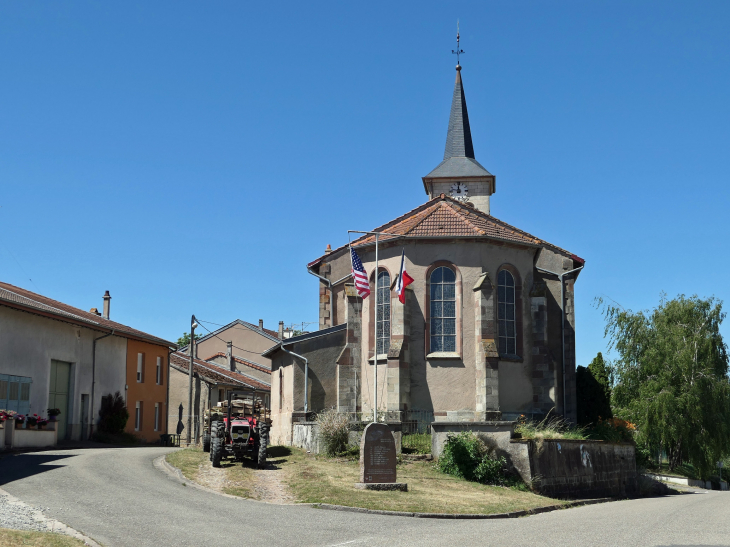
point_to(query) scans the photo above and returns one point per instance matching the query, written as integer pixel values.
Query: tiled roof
(445, 217)
(15, 297)
(246, 362)
(214, 373)
(308, 336)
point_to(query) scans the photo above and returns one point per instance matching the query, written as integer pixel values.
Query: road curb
(52, 525)
(512, 515)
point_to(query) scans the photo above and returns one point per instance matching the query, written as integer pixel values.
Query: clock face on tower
(459, 191)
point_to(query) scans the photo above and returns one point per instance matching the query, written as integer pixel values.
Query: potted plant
(31, 421)
(19, 420)
(41, 423)
(52, 413)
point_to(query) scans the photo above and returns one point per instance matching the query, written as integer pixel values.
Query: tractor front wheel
(206, 442)
(263, 445)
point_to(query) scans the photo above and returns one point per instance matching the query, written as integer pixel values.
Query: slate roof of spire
(446, 217)
(459, 152)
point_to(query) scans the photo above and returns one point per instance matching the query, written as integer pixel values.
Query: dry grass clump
(549, 428)
(334, 428)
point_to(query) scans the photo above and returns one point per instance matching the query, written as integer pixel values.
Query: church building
(487, 330)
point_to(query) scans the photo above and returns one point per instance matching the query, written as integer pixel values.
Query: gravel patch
(17, 515)
(20, 516)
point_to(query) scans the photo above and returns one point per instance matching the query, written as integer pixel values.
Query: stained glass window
(382, 321)
(506, 313)
(443, 310)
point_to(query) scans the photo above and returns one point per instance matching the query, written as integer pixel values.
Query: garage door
(58, 394)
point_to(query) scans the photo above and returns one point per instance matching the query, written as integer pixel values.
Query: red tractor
(238, 435)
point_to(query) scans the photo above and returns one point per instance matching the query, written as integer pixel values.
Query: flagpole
(375, 315)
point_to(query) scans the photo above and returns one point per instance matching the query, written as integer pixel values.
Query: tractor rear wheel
(263, 445)
(216, 451)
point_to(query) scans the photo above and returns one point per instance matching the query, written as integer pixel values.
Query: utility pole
(193, 324)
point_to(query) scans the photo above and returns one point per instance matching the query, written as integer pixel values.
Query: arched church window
(382, 321)
(443, 310)
(506, 313)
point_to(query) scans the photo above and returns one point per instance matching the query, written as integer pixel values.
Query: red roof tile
(445, 217)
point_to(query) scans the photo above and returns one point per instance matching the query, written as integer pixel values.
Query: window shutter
(140, 367)
(159, 371)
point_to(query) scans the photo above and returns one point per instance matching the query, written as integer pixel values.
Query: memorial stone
(378, 459)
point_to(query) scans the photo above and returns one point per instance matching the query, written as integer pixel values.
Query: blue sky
(192, 158)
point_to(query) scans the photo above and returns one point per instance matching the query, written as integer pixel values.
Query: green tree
(184, 340)
(594, 392)
(671, 378)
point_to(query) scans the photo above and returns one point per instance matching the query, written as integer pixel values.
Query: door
(84, 416)
(58, 394)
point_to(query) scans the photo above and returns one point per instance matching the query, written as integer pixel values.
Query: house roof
(266, 333)
(214, 373)
(446, 217)
(241, 360)
(294, 339)
(21, 299)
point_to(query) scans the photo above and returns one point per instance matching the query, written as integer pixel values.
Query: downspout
(562, 314)
(167, 394)
(306, 375)
(93, 376)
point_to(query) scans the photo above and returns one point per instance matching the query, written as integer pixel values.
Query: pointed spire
(458, 136)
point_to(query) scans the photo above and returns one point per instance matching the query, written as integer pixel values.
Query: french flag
(403, 279)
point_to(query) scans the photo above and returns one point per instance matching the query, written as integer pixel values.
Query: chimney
(281, 330)
(229, 356)
(261, 324)
(107, 301)
(328, 250)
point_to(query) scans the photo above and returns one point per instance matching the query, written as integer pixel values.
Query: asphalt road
(117, 497)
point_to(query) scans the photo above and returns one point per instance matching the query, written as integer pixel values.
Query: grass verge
(316, 479)
(236, 478)
(18, 538)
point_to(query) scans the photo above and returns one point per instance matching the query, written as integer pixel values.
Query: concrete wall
(496, 434)
(306, 435)
(563, 468)
(242, 337)
(29, 342)
(28, 438)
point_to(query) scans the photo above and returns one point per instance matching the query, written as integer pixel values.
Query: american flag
(359, 275)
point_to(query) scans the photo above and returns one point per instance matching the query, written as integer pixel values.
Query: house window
(15, 393)
(443, 310)
(138, 416)
(159, 371)
(157, 416)
(506, 313)
(140, 368)
(382, 321)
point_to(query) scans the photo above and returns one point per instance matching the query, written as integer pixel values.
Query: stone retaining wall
(305, 435)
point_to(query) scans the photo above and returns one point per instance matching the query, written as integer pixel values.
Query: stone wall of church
(449, 386)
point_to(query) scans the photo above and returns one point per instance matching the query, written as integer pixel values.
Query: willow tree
(671, 378)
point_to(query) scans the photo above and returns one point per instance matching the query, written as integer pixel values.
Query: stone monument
(378, 459)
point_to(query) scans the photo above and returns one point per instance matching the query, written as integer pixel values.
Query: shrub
(334, 428)
(465, 455)
(614, 430)
(113, 414)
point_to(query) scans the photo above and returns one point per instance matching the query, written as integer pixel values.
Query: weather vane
(458, 51)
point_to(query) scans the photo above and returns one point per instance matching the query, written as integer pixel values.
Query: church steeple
(460, 175)
(458, 136)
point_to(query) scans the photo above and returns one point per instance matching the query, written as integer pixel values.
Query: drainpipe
(562, 313)
(306, 376)
(93, 377)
